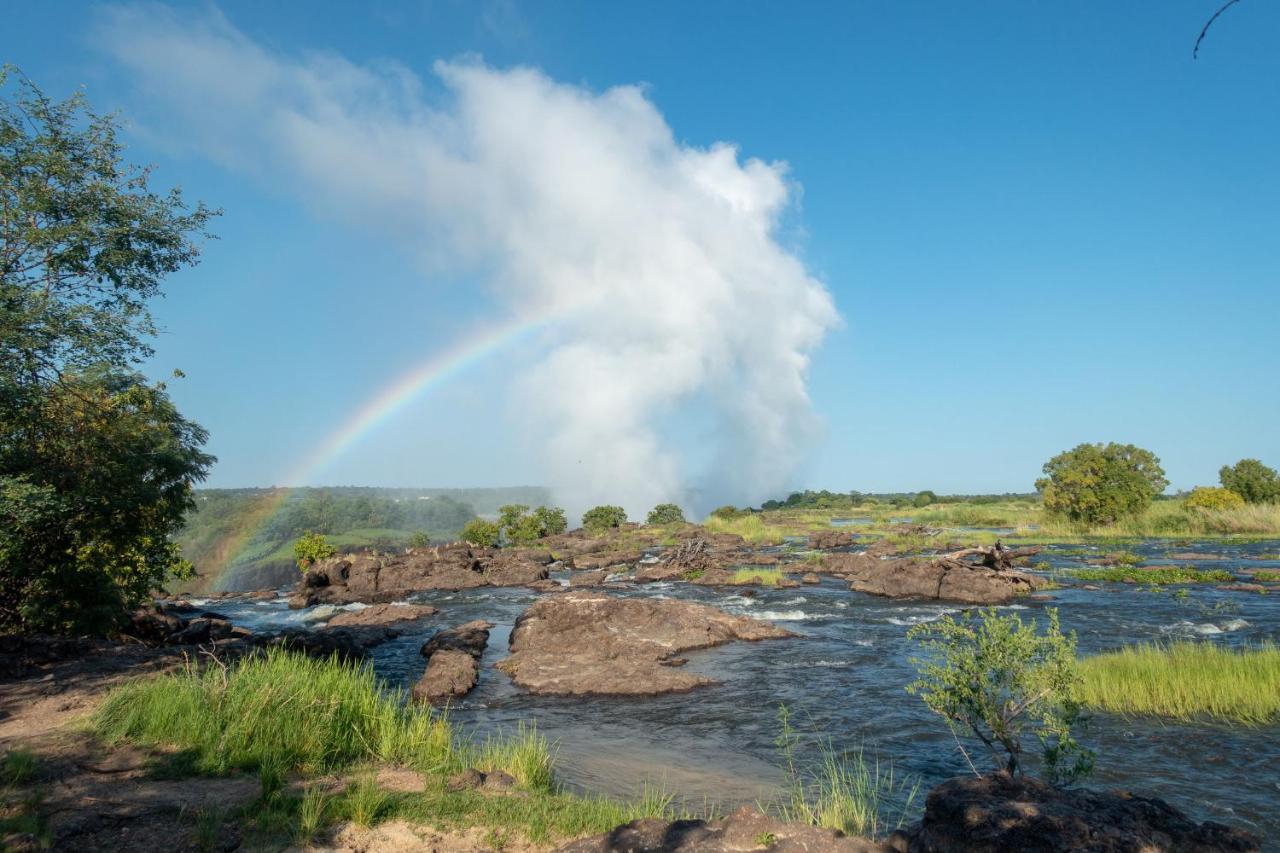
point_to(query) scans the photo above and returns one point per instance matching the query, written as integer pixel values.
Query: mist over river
(843, 677)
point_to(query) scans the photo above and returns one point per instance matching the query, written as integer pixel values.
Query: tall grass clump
(767, 577)
(279, 711)
(526, 755)
(750, 527)
(844, 792)
(1186, 680)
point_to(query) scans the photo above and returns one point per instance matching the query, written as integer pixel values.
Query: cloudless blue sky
(1043, 224)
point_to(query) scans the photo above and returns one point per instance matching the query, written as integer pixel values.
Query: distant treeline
(825, 499)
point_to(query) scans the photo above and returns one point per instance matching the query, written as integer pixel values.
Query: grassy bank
(1159, 575)
(1186, 680)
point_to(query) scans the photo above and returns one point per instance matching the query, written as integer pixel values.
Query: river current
(843, 678)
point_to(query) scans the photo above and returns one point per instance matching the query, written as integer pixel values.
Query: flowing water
(843, 678)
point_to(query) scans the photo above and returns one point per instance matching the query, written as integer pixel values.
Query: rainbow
(376, 411)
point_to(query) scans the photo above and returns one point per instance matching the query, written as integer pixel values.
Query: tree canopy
(1101, 483)
(96, 463)
(1251, 480)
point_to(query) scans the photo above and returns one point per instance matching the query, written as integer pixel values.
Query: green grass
(1266, 575)
(750, 527)
(767, 577)
(279, 712)
(1185, 681)
(1164, 575)
(18, 767)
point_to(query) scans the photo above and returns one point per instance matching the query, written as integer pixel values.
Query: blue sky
(1041, 224)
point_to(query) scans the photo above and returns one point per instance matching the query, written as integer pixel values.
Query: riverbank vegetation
(1185, 681)
(1158, 575)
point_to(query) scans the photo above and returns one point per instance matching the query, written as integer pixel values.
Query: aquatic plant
(1159, 575)
(845, 792)
(1186, 680)
(994, 676)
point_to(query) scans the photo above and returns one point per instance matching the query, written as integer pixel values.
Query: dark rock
(499, 781)
(941, 579)
(997, 813)
(590, 642)
(833, 538)
(467, 780)
(744, 830)
(453, 663)
(347, 643)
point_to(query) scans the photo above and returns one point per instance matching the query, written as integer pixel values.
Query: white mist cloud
(664, 256)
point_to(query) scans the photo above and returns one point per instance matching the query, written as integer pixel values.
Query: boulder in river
(833, 538)
(941, 579)
(590, 642)
(997, 813)
(453, 662)
(381, 614)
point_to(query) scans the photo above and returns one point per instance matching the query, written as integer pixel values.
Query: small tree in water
(310, 548)
(997, 677)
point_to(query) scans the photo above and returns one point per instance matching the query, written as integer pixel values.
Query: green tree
(601, 518)
(1101, 483)
(925, 498)
(509, 516)
(419, 539)
(477, 531)
(998, 677)
(1209, 497)
(665, 514)
(96, 464)
(728, 511)
(1251, 480)
(552, 520)
(310, 548)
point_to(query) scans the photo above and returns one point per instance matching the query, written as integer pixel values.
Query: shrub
(1209, 497)
(419, 540)
(925, 498)
(729, 511)
(665, 514)
(310, 548)
(521, 527)
(552, 519)
(477, 531)
(1100, 484)
(601, 518)
(1252, 481)
(995, 677)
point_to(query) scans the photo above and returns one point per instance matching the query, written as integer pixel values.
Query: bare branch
(1195, 51)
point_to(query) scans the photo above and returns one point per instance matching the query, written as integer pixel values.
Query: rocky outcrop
(594, 578)
(997, 813)
(373, 578)
(453, 662)
(833, 538)
(348, 644)
(940, 579)
(381, 614)
(590, 642)
(176, 623)
(604, 559)
(744, 831)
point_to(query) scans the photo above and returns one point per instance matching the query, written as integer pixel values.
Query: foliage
(729, 511)
(96, 464)
(1251, 480)
(996, 677)
(846, 793)
(1209, 497)
(665, 514)
(925, 498)
(1155, 575)
(481, 532)
(310, 548)
(521, 527)
(764, 577)
(601, 518)
(419, 539)
(750, 527)
(1099, 484)
(1185, 681)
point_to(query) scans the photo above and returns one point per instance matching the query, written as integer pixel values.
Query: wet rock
(744, 830)
(997, 813)
(810, 578)
(381, 614)
(453, 662)
(590, 642)
(547, 586)
(788, 583)
(346, 643)
(941, 579)
(833, 538)
(594, 578)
